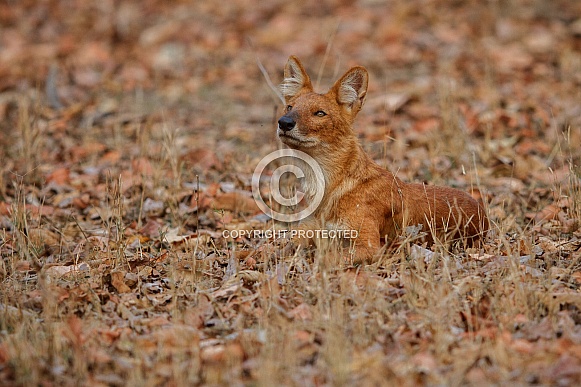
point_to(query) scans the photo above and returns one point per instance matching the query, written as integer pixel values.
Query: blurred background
(455, 85)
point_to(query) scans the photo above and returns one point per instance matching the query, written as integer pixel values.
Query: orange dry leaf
(59, 176)
(235, 201)
(142, 166)
(522, 346)
(151, 229)
(22, 266)
(79, 152)
(270, 288)
(426, 125)
(250, 262)
(476, 193)
(109, 336)
(231, 352)
(568, 225)
(74, 331)
(111, 157)
(42, 237)
(36, 211)
(117, 278)
(5, 208)
(212, 189)
(304, 337)
(4, 356)
(548, 213)
(158, 321)
(82, 202)
(203, 158)
(198, 315)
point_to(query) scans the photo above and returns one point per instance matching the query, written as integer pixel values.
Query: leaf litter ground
(129, 132)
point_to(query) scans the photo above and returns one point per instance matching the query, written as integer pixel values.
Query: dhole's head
(314, 120)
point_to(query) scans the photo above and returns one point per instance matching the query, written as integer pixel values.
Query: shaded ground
(129, 132)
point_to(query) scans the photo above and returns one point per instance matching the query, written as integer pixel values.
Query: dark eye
(320, 113)
(288, 108)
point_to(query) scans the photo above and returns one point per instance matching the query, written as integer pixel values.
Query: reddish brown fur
(359, 194)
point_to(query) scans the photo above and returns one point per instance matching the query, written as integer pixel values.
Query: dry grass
(506, 313)
(113, 267)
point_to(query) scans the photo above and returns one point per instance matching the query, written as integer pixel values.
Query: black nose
(286, 123)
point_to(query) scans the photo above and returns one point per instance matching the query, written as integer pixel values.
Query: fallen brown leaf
(118, 281)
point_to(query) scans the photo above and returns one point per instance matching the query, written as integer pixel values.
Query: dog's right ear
(295, 79)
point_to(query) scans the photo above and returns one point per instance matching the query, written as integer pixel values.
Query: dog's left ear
(295, 79)
(351, 89)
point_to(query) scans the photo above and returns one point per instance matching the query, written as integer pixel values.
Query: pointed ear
(351, 89)
(295, 79)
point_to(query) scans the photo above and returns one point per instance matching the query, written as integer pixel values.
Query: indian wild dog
(359, 194)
